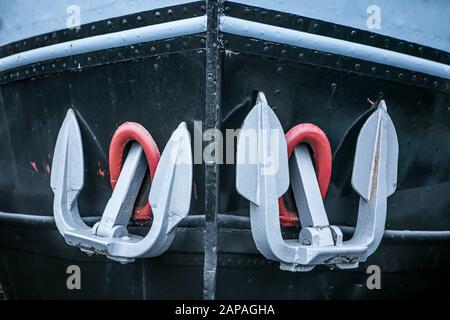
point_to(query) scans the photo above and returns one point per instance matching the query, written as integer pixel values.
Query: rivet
(278, 17)
(185, 10)
(279, 69)
(156, 67)
(357, 66)
(157, 14)
(414, 77)
(93, 28)
(266, 49)
(246, 11)
(353, 33)
(263, 14)
(400, 75)
(139, 18)
(374, 69)
(124, 21)
(301, 55)
(169, 12)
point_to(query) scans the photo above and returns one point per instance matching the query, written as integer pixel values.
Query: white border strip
(316, 42)
(111, 40)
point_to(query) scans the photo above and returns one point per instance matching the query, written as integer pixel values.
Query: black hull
(161, 83)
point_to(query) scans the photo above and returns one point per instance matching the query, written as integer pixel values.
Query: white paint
(316, 42)
(112, 40)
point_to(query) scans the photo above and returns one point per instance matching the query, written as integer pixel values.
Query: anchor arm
(262, 177)
(170, 197)
(67, 176)
(374, 179)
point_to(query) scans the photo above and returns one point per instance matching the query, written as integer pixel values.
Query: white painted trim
(316, 42)
(111, 40)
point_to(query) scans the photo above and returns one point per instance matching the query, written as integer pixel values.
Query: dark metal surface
(333, 100)
(155, 91)
(242, 272)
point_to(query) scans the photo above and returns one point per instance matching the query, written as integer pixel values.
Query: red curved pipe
(318, 141)
(127, 132)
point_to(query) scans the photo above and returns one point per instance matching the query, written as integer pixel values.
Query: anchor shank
(119, 208)
(306, 189)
